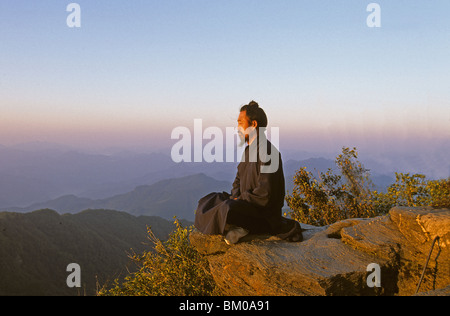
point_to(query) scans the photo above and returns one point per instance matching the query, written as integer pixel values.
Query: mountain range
(37, 247)
(37, 172)
(166, 198)
(170, 192)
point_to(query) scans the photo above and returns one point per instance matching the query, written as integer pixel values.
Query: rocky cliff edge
(334, 259)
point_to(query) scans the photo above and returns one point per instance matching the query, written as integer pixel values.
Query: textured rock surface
(440, 292)
(333, 260)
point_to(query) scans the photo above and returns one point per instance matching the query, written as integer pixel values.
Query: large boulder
(333, 260)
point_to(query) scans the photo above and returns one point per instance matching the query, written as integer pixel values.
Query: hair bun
(253, 103)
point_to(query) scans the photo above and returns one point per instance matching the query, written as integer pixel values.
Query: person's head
(251, 117)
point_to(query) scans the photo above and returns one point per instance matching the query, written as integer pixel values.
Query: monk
(257, 196)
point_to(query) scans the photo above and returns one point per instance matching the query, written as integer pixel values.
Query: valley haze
(39, 175)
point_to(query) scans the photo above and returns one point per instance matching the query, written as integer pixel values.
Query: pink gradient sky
(133, 72)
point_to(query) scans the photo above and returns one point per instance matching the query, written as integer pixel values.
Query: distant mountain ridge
(166, 198)
(177, 196)
(39, 171)
(36, 172)
(29, 175)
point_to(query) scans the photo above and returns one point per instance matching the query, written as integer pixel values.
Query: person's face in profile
(245, 126)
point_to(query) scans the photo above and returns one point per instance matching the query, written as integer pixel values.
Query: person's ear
(254, 124)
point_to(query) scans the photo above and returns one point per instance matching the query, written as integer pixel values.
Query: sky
(135, 70)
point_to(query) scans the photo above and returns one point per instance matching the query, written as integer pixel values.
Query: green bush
(174, 268)
(333, 197)
(414, 190)
(439, 191)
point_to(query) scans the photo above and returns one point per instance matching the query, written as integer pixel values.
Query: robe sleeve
(236, 190)
(261, 194)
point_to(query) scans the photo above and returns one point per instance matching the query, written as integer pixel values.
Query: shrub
(332, 197)
(439, 191)
(174, 268)
(414, 190)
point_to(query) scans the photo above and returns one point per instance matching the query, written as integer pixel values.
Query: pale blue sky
(137, 69)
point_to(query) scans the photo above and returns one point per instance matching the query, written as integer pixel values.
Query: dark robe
(260, 198)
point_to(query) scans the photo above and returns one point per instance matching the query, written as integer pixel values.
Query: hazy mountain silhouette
(34, 172)
(218, 171)
(177, 196)
(166, 198)
(29, 175)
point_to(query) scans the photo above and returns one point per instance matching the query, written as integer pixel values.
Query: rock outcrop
(333, 260)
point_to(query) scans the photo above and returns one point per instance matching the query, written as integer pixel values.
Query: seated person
(257, 197)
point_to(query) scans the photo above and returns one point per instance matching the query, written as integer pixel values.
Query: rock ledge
(333, 260)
